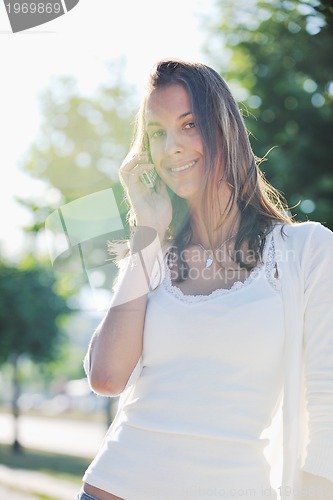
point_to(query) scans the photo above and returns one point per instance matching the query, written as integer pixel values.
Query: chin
(189, 196)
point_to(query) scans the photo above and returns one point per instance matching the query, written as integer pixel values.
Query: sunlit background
(69, 92)
(81, 44)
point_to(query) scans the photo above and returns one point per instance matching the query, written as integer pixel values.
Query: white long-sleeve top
(210, 378)
(305, 264)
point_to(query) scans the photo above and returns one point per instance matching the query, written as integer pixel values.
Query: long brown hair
(223, 133)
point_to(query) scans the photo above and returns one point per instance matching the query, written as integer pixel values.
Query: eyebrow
(180, 117)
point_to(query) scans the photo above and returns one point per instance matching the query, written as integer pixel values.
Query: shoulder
(303, 233)
(304, 252)
(303, 246)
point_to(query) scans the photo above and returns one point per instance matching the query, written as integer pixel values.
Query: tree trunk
(16, 446)
(109, 411)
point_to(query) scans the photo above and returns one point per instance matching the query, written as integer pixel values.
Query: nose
(173, 143)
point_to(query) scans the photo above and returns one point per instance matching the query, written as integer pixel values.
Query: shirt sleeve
(318, 353)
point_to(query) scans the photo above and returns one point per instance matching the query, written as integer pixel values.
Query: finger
(136, 171)
(141, 167)
(132, 160)
(133, 177)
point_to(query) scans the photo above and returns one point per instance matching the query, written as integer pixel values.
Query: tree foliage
(81, 142)
(31, 312)
(281, 67)
(30, 322)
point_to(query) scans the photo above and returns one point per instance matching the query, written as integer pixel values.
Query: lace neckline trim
(268, 267)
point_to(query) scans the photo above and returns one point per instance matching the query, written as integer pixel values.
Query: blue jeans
(82, 495)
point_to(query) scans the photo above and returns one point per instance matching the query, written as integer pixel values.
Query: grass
(66, 467)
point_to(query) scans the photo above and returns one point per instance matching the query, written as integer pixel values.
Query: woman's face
(176, 145)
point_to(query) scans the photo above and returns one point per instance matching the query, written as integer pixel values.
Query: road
(58, 435)
(55, 435)
(18, 484)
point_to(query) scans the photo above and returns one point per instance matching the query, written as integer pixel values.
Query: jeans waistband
(82, 495)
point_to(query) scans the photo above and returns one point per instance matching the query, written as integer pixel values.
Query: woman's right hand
(152, 207)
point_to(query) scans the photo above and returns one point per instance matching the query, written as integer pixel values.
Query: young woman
(222, 311)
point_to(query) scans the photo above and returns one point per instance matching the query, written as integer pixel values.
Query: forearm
(117, 343)
(116, 347)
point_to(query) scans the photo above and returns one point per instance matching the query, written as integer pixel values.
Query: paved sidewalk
(73, 437)
(18, 484)
(9, 494)
(77, 438)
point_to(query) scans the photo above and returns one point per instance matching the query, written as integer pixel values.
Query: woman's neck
(200, 231)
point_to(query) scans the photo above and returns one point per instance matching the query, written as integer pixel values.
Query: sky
(80, 44)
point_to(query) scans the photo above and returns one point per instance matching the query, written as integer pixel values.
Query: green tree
(281, 67)
(81, 143)
(31, 316)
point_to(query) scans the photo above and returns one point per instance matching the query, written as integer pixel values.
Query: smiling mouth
(183, 167)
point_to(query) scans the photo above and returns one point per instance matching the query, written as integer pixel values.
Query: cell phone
(149, 178)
